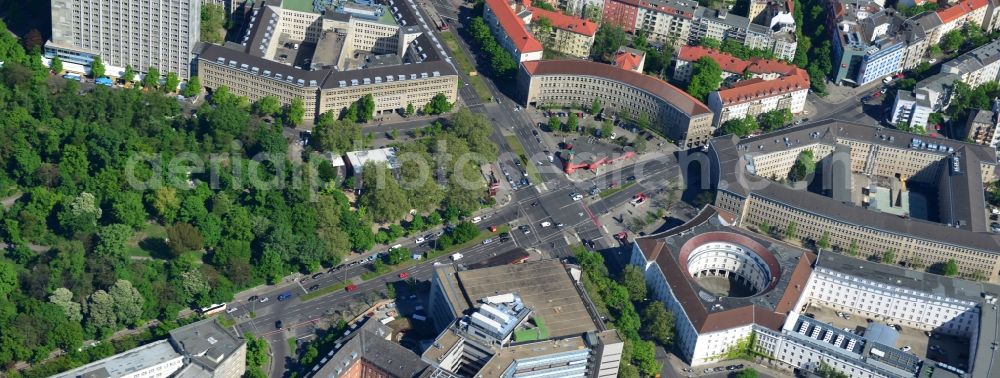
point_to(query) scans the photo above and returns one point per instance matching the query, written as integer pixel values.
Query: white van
(457, 256)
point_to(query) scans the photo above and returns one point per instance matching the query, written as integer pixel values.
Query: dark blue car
(285, 296)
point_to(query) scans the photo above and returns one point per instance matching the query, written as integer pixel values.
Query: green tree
(775, 119)
(803, 167)
(889, 257)
(439, 104)
(267, 106)
(63, 298)
(952, 40)
(213, 21)
(635, 282)
(56, 65)
(382, 196)
(790, 230)
(80, 214)
(572, 123)
(171, 82)
(183, 237)
(607, 128)
(127, 208)
(951, 268)
(658, 323)
(853, 248)
(711, 43)
(554, 123)
(747, 373)
(366, 108)
(398, 255)
(101, 312)
(409, 109)
(193, 87)
(607, 41)
(740, 127)
(706, 77)
(295, 112)
(111, 241)
(8, 278)
(129, 75)
(151, 80)
(97, 67)
(128, 303)
(595, 106)
(765, 227)
(824, 241)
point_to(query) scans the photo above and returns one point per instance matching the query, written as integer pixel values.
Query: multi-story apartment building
(976, 67)
(757, 96)
(679, 22)
(401, 68)
(912, 108)
(629, 94)
(137, 33)
(745, 172)
(959, 14)
(569, 35)
(773, 287)
(732, 67)
(577, 7)
(510, 30)
(981, 127)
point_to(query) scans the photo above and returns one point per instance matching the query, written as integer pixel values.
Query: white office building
(140, 33)
(912, 108)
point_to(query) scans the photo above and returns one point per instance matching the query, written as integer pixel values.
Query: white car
(905, 348)
(577, 197)
(420, 240)
(477, 219)
(457, 256)
(263, 299)
(546, 224)
(231, 310)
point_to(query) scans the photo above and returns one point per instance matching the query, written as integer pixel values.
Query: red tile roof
(627, 60)
(565, 22)
(669, 93)
(733, 64)
(959, 10)
(514, 27)
(754, 89)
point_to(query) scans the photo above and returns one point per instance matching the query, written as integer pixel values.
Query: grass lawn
(298, 5)
(465, 65)
(148, 242)
(528, 164)
(323, 291)
(608, 192)
(291, 346)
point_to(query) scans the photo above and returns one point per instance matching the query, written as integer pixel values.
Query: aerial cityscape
(500, 188)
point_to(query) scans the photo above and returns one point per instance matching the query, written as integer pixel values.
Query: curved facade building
(671, 111)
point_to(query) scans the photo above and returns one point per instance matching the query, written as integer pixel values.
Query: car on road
(630, 178)
(559, 225)
(313, 287)
(351, 287)
(546, 224)
(253, 298)
(264, 299)
(477, 219)
(285, 296)
(905, 348)
(487, 241)
(317, 275)
(279, 325)
(404, 275)
(533, 204)
(420, 240)
(231, 310)
(456, 256)
(525, 229)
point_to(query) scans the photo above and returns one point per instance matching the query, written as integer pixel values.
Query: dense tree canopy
(706, 77)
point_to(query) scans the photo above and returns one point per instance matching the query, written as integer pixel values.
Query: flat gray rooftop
(126, 363)
(544, 286)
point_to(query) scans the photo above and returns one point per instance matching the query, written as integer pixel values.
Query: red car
(352, 287)
(493, 228)
(404, 275)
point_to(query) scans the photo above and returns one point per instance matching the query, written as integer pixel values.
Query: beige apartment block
(630, 94)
